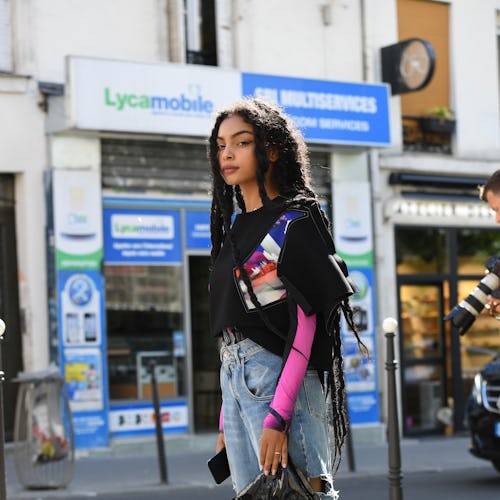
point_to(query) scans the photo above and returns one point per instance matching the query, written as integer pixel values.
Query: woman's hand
(221, 442)
(273, 450)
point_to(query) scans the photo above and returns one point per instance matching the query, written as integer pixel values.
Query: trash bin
(43, 431)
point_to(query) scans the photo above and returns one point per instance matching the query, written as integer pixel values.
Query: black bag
(288, 484)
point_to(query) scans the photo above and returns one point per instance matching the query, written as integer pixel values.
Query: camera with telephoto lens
(465, 313)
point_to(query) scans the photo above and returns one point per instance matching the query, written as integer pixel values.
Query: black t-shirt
(289, 255)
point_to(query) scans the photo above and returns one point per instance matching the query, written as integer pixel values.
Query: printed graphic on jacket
(262, 265)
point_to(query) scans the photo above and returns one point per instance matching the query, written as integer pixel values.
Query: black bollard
(162, 461)
(395, 476)
(3, 486)
(350, 449)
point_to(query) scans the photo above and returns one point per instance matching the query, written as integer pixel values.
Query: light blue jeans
(249, 374)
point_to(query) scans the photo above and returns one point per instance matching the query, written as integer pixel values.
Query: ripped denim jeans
(248, 376)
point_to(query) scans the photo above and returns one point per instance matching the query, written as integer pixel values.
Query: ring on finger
(277, 453)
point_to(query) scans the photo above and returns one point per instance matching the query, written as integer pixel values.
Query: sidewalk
(133, 465)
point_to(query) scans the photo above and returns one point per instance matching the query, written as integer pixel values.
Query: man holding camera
(487, 292)
(490, 193)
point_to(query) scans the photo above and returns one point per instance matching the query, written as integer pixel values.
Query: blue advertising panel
(82, 354)
(328, 111)
(361, 371)
(137, 418)
(197, 230)
(142, 236)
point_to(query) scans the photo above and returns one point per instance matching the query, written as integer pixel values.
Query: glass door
(423, 356)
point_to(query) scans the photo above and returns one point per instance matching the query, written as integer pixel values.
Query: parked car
(483, 413)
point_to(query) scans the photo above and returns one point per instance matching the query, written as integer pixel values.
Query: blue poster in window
(360, 370)
(328, 111)
(142, 236)
(82, 354)
(198, 229)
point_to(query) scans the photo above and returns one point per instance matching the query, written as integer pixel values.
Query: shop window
(421, 250)
(144, 314)
(201, 45)
(474, 248)
(435, 266)
(480, 344)
(420, 312)
(482, 341)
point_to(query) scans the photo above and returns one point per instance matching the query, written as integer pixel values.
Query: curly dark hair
(274, 129)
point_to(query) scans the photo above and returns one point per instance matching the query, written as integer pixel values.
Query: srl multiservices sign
(182, 100)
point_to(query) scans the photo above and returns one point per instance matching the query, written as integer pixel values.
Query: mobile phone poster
(354, 243)
(78, 242)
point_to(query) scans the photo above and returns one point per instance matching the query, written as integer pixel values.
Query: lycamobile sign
(144, 236)
(142, 226)
(180, 104)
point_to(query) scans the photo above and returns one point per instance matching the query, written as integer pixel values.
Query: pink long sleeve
(292, 375)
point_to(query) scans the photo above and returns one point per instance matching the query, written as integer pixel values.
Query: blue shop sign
(197, 230)
(142, 236)
(328, 111)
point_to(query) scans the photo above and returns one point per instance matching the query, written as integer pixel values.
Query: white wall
(48, 30)
(474, 77)
(295, 38)
(381, 30)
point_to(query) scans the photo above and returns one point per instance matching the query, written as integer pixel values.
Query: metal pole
(162, 461)
(3, 487)
(350, 449)
(395, 477)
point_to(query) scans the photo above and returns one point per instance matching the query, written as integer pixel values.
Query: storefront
(441, 244)
(131, 235)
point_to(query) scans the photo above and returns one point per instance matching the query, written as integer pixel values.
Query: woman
(276, 291)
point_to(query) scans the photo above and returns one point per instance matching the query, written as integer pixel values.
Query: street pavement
(464, 484)
(132, 466)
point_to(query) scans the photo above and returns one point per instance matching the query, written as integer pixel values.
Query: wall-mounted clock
(408, 65)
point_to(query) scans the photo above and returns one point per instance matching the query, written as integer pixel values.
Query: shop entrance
(436, 269)
(205, 362)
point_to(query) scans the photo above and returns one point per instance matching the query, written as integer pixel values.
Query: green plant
(441, 112)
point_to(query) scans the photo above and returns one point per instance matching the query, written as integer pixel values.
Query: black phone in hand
(219, 466)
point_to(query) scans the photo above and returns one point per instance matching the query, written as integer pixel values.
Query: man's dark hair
(492, 184)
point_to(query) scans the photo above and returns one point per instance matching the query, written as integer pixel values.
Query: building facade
(105, 191)
(433, 233)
